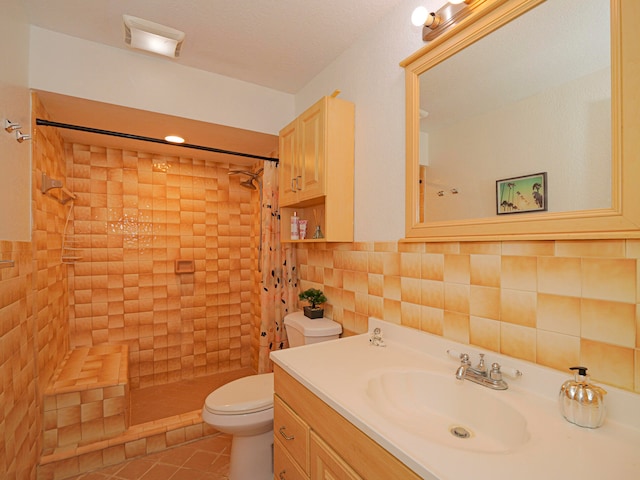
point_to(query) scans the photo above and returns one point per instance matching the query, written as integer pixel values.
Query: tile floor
(179, 397)
(206, 459)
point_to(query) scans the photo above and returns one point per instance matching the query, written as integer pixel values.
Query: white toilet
(302, 330)
(244, 407)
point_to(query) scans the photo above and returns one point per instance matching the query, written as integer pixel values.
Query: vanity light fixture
(174, 139)
(152, 37)
(436, 23)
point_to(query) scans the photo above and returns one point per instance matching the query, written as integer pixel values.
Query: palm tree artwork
(522, 194)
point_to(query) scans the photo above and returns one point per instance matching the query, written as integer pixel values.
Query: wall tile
(432, 266)
(527, 248)
(609, 279)
(139, 220)
(456, 297)
(457, 269)
(590, 248)
(559, 276)
(518, 341)
(519, 273)
(456, 326)
(559, 314)
(518, 307)
(534, 308)
(485, 270)
(484, 333)
(557, 350)
(609, 322)
(432, 320)
(485, 302)
(610, 363)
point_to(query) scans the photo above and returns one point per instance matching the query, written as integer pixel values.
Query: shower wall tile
(33, 308)
(136, 215)
(554, 303)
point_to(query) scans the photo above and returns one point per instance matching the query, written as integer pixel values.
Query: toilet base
(252, 457)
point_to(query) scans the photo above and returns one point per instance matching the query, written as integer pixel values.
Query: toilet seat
(245, 395)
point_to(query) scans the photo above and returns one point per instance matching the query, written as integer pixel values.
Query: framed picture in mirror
(527, 193)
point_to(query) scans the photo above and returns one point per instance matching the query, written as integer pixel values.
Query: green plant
(313, 296)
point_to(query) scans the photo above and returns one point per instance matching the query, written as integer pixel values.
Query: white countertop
(338, 372)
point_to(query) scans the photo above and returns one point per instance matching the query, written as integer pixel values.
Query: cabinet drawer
(326, 464)
(292, 432)
(284, 467)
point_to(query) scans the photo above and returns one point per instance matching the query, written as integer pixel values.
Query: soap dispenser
(580, 402)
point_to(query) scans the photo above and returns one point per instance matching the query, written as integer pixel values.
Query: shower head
(248, 183)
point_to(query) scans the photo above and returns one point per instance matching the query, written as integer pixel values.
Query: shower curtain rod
(48, 123)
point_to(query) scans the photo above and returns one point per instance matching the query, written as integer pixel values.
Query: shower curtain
(279, 285)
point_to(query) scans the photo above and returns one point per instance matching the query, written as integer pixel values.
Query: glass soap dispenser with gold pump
(581, 402)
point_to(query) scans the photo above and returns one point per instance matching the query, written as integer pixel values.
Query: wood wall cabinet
(313, 442)
(316, 170)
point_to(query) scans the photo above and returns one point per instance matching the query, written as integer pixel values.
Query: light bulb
(456, 2)
(174, 139)
(419, 16)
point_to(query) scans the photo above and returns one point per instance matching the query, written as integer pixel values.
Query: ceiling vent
(152, 37)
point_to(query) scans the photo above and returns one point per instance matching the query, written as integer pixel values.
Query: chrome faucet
(479, 374)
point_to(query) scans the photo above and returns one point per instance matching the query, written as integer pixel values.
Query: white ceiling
(279, 44)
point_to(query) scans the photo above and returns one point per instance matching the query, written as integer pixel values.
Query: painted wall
(15, 220)
(67, 65)
(369, 75)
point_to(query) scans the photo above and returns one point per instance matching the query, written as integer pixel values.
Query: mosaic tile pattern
(136, 214)
(555, 303)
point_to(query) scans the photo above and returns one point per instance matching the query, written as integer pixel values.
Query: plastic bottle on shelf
(295, 227)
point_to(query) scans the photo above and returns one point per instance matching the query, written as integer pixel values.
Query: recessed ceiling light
(152, 37)
(174, 139)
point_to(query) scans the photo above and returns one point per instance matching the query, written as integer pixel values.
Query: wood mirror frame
(622, 220)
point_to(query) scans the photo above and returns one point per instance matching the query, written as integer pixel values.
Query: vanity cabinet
(316, 170)
(314, 442)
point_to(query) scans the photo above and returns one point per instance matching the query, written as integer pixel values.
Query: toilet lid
(244, 395)
(312, 327)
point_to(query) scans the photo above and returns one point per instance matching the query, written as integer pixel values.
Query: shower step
(137, 441)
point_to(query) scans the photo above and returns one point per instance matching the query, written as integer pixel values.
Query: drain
(460, 432)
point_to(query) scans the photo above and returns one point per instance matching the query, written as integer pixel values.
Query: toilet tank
(305, 331)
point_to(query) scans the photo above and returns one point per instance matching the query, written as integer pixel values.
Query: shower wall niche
(136, 213)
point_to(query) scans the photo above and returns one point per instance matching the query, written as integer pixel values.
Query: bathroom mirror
(521, 90)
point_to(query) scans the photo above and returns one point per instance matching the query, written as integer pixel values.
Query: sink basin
(441, 409)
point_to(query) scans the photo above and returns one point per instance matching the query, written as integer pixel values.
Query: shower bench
(88, 397)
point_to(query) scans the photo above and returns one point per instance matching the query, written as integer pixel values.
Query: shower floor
(161, 401)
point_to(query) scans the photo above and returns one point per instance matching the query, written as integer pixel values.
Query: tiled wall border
(556, 303)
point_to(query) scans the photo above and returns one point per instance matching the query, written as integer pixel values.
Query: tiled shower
(105, 275)
(135, 215)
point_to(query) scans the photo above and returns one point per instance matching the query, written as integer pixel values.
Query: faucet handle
(481, 367)
(464, 359)
(495, 373)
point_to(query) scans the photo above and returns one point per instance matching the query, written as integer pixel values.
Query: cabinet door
(284, 467)
(326, 464)
(312, 155)
(288, 165)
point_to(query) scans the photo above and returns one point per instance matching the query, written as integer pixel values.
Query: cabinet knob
(284, 435)
(281, 475)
